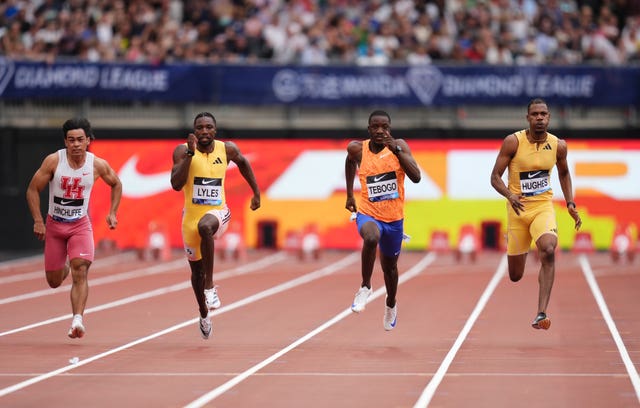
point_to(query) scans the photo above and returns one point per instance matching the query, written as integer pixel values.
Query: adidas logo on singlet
(547, 147)
(217, 161)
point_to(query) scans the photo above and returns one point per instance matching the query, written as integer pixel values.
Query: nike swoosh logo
(378, 178)
(81, 254)
(205, 182)
(138, 185)
(65, 202)
(384, 155)
(530, 175)
(85, 174)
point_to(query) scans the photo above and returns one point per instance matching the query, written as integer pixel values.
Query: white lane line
(240, 270)
(39, 274)
(152, 270)
(430, 389)
(327, 270)
(604, 309)
(12, 263)
(325, 374)
(213, 394)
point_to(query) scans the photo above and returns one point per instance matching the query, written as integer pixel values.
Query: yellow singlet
(531, 166)
(204, 189)
(530, 177)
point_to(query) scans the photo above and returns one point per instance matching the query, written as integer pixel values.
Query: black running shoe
(541, 322)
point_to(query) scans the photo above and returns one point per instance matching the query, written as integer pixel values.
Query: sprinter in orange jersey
(383, 162)
(530, 154)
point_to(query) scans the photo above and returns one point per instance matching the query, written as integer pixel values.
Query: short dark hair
(536, 101)
(379, 113)
(204, 114)
(78, 123)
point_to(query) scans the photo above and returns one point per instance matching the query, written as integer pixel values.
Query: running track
(285, 336)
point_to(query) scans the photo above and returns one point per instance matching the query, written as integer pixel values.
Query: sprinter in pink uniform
(67, 233)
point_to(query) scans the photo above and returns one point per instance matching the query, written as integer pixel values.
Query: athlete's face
(538, 117)
(76, 142)
(379, 127)
(205, 130)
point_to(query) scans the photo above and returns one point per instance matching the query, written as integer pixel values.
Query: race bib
(382, 187)
(67, 209)
(534, 182)
(207, 191)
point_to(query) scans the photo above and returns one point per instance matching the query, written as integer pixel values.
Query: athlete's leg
(544, 232)
(55, 256)
(516, 266)
(57, 276)
(80, 284)
(390, 247)
(207, 227)
(370, 236)
(81, 254)
(546, 245)
(518, 244)
(197, 283)
(390, 271)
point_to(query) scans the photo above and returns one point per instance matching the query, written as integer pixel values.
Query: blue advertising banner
(107, 82)
(427, 85)
(433, 85)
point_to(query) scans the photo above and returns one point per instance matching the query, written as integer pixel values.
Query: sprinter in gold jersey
(531, 154)
(199, 169)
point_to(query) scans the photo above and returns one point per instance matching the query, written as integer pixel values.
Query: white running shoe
(360, 301)
(205, 326)
(211, 296)
(77, 328)
(390, 317)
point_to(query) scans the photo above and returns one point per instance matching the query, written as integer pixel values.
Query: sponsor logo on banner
(6, 73)
(71, 76)
(137, 185)
(425, 82)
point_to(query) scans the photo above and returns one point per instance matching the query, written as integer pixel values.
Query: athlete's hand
(389, 141)
(112, 221)
(39, 230)
(255, 202)
(351, 204)
(576, 217)
(192, 142)
(515, 203)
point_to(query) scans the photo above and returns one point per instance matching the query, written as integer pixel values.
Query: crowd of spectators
(321, 32)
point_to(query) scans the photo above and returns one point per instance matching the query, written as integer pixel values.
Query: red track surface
(285, 337)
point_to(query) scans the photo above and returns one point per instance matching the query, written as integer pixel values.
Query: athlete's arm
(182, 162)
(407, 162)
(354, 157)
(234, 155)
(38, 182)
(506, 153)
(565, 181)
(103, 170)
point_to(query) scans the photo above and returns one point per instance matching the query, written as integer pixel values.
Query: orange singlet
(382, 185)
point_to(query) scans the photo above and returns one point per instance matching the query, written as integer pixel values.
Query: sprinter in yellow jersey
(199, 169)
(530, 155)
(383, 163)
